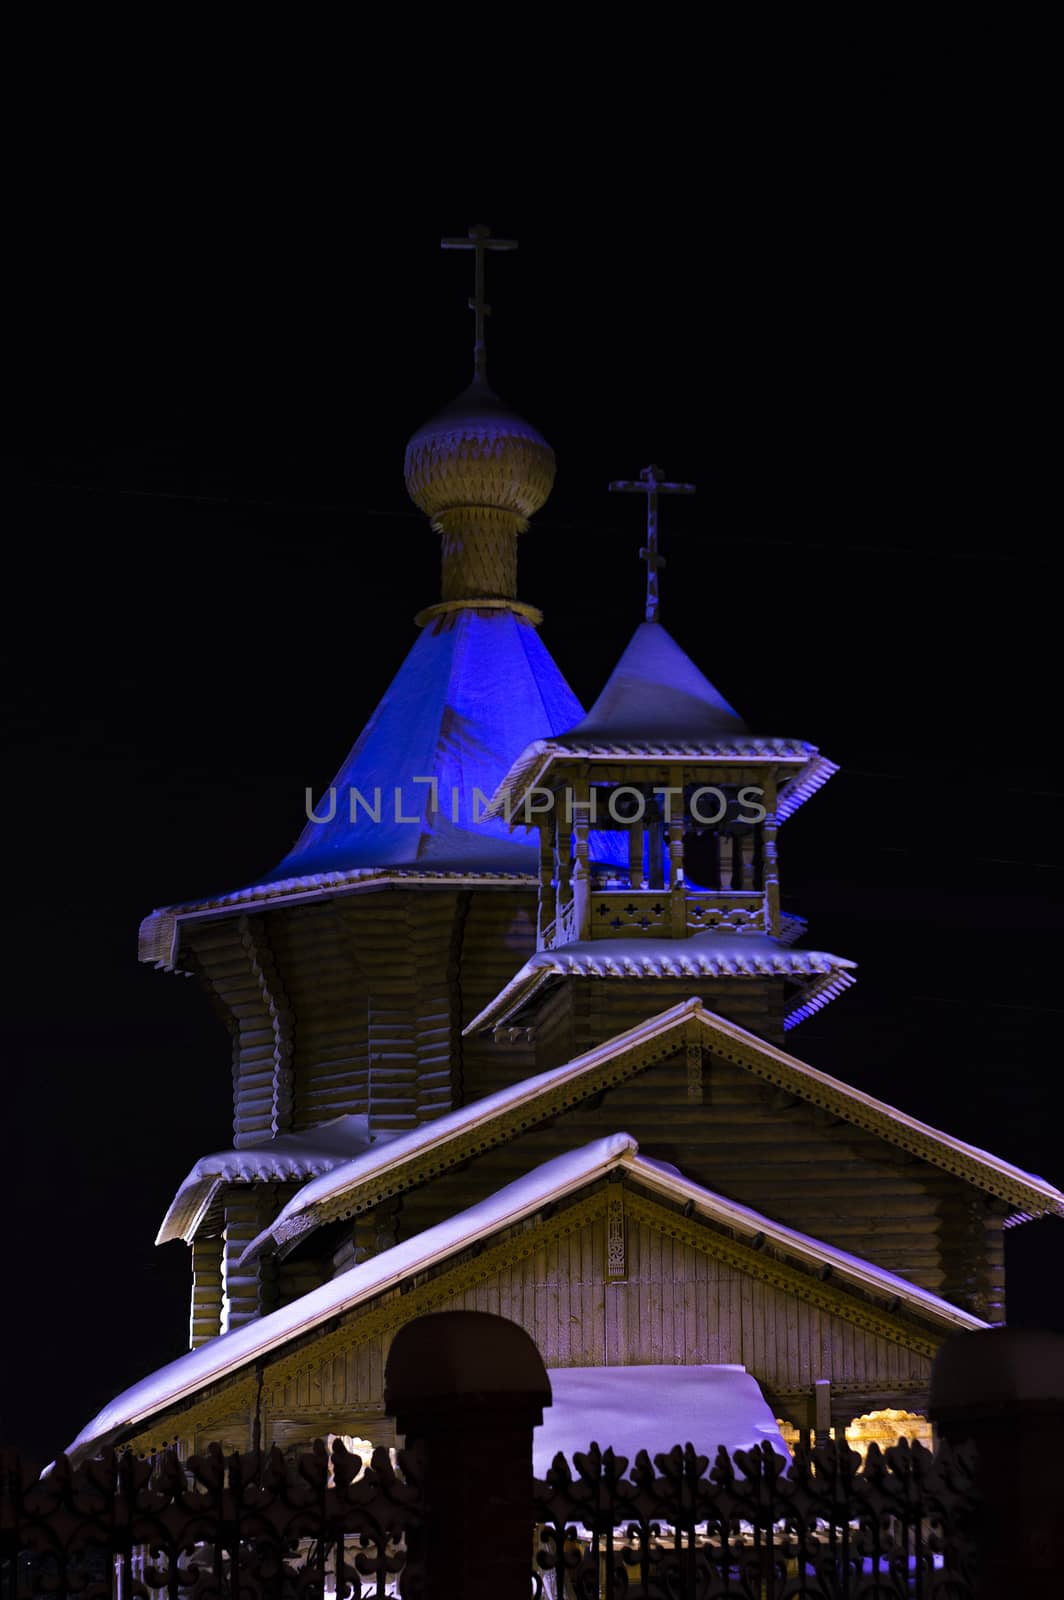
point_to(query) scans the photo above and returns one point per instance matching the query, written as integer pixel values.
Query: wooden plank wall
(436, 924)
(676, 1305)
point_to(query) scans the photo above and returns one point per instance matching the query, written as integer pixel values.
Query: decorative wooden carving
(616, 1260)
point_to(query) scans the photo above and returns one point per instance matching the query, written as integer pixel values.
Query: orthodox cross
(479, 241)
(652, 483)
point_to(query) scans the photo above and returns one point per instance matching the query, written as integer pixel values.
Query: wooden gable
(797, 1163)
(612, 1276)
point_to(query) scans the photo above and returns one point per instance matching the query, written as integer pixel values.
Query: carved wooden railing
(731, 911)
(620, 913)
(824, 1526)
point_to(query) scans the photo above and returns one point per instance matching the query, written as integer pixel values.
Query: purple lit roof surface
(656, 691)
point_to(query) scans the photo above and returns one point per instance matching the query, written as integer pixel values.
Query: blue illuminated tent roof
(474, 690)
(477, 687)
(656, 692)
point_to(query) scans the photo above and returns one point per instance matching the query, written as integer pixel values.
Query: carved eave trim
(159, 940)
(813, 988)
(836, 1298)
(221, 1402)
(785, 1072)
(535, 763)
(813, 997)
(351, 1329)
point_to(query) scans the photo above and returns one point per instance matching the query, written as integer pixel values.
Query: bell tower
(658, 817)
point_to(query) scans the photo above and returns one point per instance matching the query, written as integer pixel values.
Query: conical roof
(474, 690)
(656, 692)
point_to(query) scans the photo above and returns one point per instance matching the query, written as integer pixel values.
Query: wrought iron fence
(258, 1526)
(262, 1526)
(825, 1525)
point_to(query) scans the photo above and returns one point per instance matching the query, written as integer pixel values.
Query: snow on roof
(657, 704)
(652, 1408)
(288, 1156)
(220, 1357)
(531, 766)
(337, 1193)
(669, 1180)
(709, 954)
(552, 1180)
(656, 692)
(158, 936)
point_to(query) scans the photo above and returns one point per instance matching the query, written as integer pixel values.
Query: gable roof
(552, 1181)
(714, 954)
(415, 1157)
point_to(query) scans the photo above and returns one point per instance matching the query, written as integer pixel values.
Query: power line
(599, 529)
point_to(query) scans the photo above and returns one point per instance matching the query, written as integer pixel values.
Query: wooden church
(511, 1031)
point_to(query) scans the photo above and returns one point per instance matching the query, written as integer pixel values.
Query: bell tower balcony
(660, 854)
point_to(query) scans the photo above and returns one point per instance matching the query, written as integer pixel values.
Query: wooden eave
(159, 937)
(534, 766)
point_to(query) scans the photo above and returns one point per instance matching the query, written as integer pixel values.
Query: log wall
(784, 1158)
(248, 1207)
(357, 1004)
(498, 938)
(581, 1013)
(205, 1320)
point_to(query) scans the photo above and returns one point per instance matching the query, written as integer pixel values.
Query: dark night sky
(821, 303)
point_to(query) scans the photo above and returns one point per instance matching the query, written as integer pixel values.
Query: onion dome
(478, 471)
(478, 453)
